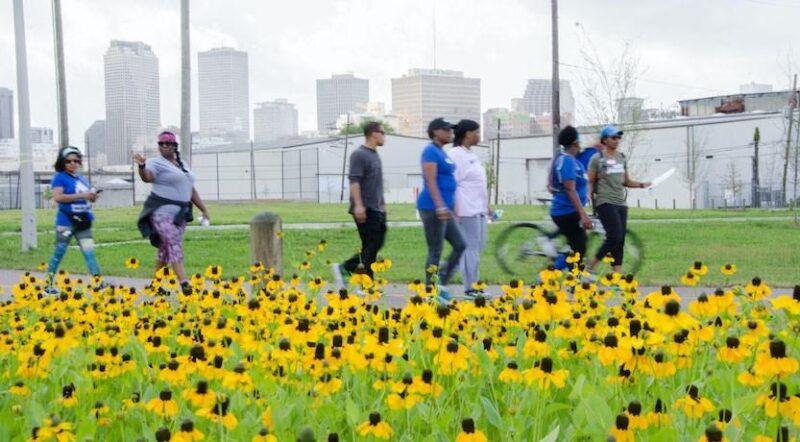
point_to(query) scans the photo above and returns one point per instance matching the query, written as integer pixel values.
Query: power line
(647, 80)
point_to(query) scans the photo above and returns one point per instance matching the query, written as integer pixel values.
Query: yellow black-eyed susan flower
(213, 272)
(775, 362)
(219, 413)
(132, 263)
(728, 269)
(42, 266)
(375, 427)
(543, 376)
(692, 404)
(187, 433)
(323, 244)
(264, 436)
(621, 431)
(469, 433)
(690, 279)
(713, 433)
(163, 405)
(698, 268)
(757, 289)
(732, 352)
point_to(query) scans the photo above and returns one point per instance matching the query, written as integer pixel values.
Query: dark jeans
(372, 233)
(569, 226)
(436, 231)
(615, 222)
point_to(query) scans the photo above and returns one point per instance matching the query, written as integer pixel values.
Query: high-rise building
(538, 99)
(629, 110)
(41, 135)
(425, 94)
(339, 95)
(6, 113)
(224, 85)
(95, 139)
(512, 124)
(273, 120)
(133, 106)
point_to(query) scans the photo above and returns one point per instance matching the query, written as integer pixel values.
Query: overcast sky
(689, 48)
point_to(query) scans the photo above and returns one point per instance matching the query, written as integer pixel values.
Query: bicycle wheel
(633, 251)
(518, 251)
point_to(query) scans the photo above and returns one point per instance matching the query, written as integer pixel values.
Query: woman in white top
(472, 200)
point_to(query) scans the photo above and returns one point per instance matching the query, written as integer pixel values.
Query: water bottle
(497, 214)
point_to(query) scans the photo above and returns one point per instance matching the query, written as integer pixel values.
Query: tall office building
(95, 139)
(224, 85)
(133, 106)
(425, 94)
(538, 99)
(42, 135)
(273, 120)
(6, 113)
(339, 95)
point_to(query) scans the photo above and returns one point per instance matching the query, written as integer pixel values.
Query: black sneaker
(186, 289)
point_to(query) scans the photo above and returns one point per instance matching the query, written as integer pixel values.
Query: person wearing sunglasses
(608, 183)
(168, 208)
(74, 196)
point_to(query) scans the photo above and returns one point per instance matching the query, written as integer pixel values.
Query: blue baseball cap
(610, 131)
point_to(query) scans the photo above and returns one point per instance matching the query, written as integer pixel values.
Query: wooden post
(266, 244)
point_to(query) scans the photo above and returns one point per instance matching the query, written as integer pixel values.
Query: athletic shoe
(186, 288)
(444, 296)
(473, 294)
(338, 276)
(52, 290)
(547, 247)
(591, 278)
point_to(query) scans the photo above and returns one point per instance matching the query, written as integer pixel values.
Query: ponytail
(178, 157)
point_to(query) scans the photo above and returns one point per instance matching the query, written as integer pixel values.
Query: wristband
(141, 166)
(441, 208)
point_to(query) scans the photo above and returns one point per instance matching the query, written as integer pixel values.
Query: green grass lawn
(303, 212)
(769, 249)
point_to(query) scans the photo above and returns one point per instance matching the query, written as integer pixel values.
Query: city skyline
(513, 46)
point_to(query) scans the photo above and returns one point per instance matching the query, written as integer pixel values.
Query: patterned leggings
(171, 248)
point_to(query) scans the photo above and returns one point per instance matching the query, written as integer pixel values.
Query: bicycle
(525, 248)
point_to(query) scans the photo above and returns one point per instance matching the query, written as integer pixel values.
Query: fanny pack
(79, 221)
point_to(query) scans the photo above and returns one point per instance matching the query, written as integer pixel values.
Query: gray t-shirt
(609, 186)
(366, 169)
(170, 182)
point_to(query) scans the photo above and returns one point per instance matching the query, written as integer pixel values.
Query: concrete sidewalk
(395, 295)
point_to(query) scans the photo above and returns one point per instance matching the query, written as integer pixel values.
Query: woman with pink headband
(169, 206)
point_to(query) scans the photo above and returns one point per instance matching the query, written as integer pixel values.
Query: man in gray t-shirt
(367, 204)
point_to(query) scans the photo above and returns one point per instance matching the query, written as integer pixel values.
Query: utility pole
(556, 81)
(344, 158)
(89, 159)
(497, 166)
(25, 151)
(61, 81)
(792, 104)
(186, 87)
(756, 198)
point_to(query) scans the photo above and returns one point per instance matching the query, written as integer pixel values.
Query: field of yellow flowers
(261, 357)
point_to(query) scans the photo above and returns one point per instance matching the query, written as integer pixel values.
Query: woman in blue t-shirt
(74, 217)
(436, 202)
(569, 180)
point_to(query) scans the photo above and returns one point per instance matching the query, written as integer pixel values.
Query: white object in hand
(204, 221)
(661, 178)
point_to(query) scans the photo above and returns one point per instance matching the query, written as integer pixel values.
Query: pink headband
(167, 137)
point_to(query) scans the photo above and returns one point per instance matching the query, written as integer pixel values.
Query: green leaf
(553, 436)
(491, 413)
(353, 415)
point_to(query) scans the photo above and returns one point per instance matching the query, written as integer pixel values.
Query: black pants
(569, 225)
(615, 222)
(372, 233)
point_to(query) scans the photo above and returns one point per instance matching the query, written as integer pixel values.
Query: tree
(693, 171)
(358, 129)
(732, 180)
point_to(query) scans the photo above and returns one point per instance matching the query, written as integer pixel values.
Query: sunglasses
(616, 137)
(380, 132)
(72, 161)
(163, 144)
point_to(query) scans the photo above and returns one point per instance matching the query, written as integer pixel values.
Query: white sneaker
(336, 269)
(547, 246)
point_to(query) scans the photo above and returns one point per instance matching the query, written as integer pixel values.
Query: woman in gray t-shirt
(169, 204)
(608, 180)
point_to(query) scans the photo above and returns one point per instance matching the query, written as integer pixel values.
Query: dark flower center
(622, 422)
(777, 349)
(732, 342)
(374, 418)
(635, 408)
(165, 395)
(468, 425)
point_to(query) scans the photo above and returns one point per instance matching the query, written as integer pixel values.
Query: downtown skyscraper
(133, 104)
(224, 86)
(339, 95)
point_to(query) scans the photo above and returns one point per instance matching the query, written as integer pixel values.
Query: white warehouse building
(718, 149)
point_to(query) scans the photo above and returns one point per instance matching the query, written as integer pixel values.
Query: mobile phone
(98, 191)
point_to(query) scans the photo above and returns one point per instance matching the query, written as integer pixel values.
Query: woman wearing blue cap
(568, 179)
(436, 202)
(608, 180)
(74, 217)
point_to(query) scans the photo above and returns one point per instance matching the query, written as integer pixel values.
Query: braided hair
(178, 157)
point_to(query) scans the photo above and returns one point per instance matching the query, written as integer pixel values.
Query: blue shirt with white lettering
(445, 178)
(567, 168)
(71, 184)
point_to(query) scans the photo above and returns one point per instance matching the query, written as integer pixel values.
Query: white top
(472, 195)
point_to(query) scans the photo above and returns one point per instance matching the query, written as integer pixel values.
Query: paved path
(395, 295)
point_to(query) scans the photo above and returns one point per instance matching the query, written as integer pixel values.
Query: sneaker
(547, 247)
(52, 290)
(591, 278)
(186, 288)
(338, 276)
(472, 294)
(444, 294)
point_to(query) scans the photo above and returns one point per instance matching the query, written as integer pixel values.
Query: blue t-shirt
(445, 178)
(586, 155)
(567, 168)
(71, 185)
